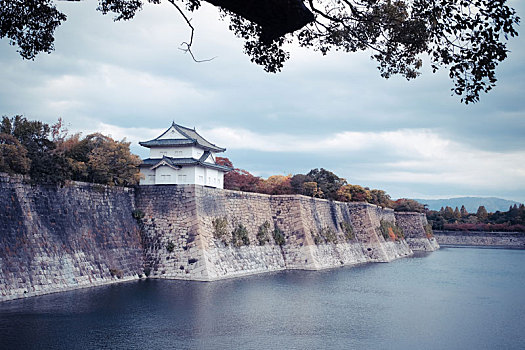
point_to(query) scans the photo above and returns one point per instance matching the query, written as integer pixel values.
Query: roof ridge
(190, 135)
(195, 131)
(179, 127)
(174, 162)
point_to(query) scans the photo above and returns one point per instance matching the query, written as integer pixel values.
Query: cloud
(133, 135)
(416, 156)
(404, 142)
(129, 79)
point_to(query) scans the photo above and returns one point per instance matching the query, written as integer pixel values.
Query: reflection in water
(450, 299)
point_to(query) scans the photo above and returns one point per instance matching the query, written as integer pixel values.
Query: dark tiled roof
(178, 162)
(167, 142)
(204, 156)
(192, 134)
(192, 138)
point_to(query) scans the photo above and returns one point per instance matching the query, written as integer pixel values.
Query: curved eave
(167, 142)
(216, 167)
(179, 143)
(180, 162)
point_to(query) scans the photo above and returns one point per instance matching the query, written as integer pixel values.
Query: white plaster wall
(211, 158)
(220, 179)
(186, 175)
(196, 152)
(174, 152)
(200, 176)
(149, 176)
(165, 175)
(212, 177)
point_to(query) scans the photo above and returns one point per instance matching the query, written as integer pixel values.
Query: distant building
(181, 156)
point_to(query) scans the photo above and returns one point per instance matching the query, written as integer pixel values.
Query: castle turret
(181, 156)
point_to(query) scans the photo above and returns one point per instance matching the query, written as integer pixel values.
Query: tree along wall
(60, 238)
(418, 233)
(188, 233)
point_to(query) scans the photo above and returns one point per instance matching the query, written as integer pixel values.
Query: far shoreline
(480, 239)
(481, 246)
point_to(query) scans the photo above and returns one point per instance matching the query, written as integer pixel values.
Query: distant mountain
(472, 204)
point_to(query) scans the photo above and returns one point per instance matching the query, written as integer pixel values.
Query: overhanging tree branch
(464, 36)
(190, 43)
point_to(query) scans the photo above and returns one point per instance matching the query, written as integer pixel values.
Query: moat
(450, 299)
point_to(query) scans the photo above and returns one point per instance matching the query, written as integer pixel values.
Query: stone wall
(476, 238)
(187, 232)
(60, 238)
(178, 232)
(415, 226)
(79, 235)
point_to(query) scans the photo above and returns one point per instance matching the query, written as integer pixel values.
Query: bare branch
(188, 45)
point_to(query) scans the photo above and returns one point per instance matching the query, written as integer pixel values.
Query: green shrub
(326, 235)
(240, 236)
(348, 230)
(116, 273)
(262, 233)
(390, 230)
(138, 215)
(219, 228)
(428, 231)
(383, 227)
(170, 246)
(278, 236)
(400, 234)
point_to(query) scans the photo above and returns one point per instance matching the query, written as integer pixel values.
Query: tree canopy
(49, 155)
(461, 220)
(317, 183)
(405, 204)
(467, 37)
(13, 156)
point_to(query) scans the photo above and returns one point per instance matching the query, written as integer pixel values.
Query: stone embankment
(60, 238)
(81, 235)
(418, 232)
(476, 238)
(188, 231)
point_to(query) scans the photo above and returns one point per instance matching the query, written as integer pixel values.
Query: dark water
(456, 298)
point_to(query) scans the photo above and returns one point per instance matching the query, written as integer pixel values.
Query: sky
(410, 138)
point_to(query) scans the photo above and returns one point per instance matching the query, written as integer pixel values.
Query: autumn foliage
(353, 193)
(276, 184)
(404, 204)
(317, 183)
(456, 219)
(13, 156)
(238, 179)
(50, 155)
